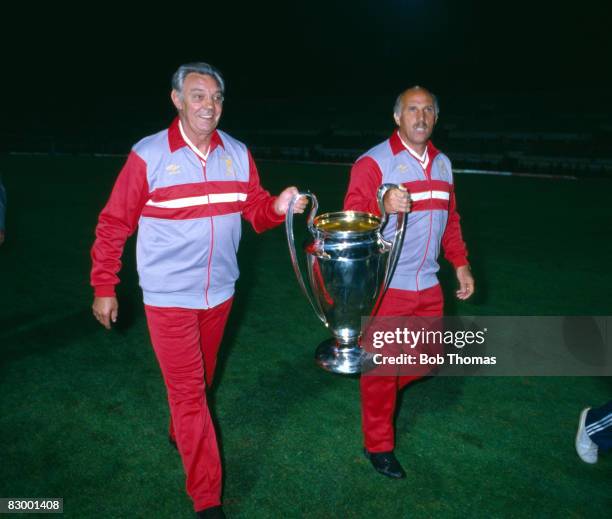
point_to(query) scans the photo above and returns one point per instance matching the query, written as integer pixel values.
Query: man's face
(199, 105)
(418, 118)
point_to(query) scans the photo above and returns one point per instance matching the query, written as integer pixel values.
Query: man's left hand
(281, 204)
(466, 282)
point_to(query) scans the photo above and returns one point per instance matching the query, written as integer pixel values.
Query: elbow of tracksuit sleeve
(259, 210)
(117, 221)
(364, 182)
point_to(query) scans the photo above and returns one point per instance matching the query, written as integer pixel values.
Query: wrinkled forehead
(196, 81)
(417, 96)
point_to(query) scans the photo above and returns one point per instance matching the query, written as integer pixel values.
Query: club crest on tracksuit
(229, 168)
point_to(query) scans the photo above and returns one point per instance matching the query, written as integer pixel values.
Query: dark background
(98, 79)
(522, 88)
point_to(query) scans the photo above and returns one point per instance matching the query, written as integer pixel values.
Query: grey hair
(397, 107)
(178, 78)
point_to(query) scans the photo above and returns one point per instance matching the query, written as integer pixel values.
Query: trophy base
(345, 361)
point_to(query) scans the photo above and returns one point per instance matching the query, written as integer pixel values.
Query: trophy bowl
(349, 265)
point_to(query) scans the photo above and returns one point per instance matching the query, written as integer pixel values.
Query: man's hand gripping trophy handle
(397, 200)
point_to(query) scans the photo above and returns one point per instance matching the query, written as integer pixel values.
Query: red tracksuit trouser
(186, 342)
(379, 393)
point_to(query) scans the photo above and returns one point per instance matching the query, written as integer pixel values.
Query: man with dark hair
(185, 188)
(408, 158)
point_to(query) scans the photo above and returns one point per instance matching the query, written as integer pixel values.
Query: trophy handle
(291, 243)
(398, 239)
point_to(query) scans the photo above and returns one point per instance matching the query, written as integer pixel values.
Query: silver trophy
(349, 266)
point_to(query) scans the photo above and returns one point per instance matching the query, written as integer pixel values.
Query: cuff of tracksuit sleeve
(459, 262)
(272, 215)
(104, 291)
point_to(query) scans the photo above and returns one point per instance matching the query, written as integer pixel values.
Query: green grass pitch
(84, 414)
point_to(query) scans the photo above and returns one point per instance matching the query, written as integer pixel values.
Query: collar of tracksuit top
(177, 139)
(430, 185)
(194, 148)
(192, 185)
(423, 159)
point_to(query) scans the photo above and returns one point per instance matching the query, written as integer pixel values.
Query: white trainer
(585, 447)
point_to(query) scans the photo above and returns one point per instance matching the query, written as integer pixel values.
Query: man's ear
(176, 100)
(397, 119)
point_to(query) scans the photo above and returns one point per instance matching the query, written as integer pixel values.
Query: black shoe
(172, 442)
(386, 463)
(214, 512)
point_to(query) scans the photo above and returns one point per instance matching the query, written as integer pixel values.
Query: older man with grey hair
(185, 188)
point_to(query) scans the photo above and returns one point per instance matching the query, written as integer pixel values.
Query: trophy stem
(343, 358)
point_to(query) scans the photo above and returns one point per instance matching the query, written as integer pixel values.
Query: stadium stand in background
(511, 133)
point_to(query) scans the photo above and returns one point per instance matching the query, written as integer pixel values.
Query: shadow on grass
(442, 392)
(29, 334)
(41, 337)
